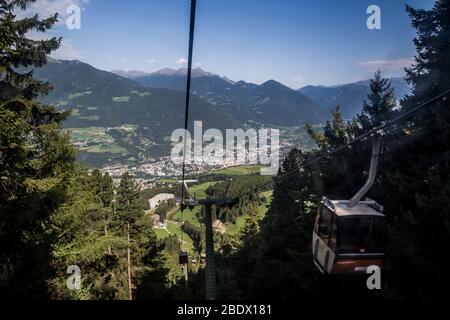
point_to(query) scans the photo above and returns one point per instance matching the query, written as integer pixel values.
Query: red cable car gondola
(348, 239)
(350, 235)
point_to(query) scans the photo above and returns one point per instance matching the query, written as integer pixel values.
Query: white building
(160, 198)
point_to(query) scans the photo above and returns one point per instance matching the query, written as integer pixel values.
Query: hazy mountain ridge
(349, 96)
(130, 74)
(269, 103)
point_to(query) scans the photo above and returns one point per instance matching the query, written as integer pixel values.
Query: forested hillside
(102, 99)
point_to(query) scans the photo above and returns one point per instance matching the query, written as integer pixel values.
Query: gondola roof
(362, 208)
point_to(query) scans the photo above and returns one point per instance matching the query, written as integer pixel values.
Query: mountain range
(248, 101)
(130, 74)
(349, 96)
(101, 99)
(153, 104)
(270, 103)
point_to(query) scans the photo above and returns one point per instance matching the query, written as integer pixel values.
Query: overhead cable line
(187, 101)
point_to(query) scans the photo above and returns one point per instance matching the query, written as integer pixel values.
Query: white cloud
(150, 61)
(297, 79)
(198, 64)
(181, 61)
(67, 51)
(387, 65)
(46, 8)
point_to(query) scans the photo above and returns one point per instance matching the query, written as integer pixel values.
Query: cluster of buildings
(166, 168)
(163, 167)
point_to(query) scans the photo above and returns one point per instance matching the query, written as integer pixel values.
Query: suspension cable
(186, 112)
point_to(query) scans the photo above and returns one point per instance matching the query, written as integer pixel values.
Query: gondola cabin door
(324, 239)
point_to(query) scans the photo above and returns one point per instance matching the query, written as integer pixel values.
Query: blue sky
(295, 42)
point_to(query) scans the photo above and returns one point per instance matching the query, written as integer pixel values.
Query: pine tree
(128, 206)
(380, 104)
(79, 238)
(36, 159)
(283, 262)
(415, 183)
(129, 211)
(102, 186)
(19, 51)
(77, 228)
(237, 267)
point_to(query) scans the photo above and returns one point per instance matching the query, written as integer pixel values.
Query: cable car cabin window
(378, 235)
(326, 217)
(361, 234)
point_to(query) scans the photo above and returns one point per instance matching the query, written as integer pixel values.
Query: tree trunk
(106, 234)
(129, 262)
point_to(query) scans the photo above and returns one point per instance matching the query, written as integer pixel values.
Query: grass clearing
(79, 94)
(161, 234)
(86, 133)
(109, 148)
(94, 140)
(267, 195)
(199, 190)
(169, 180)
(188, 244)
(239, 170)
(188, 215)
(91, 118)
(141, 94)
(121, 99)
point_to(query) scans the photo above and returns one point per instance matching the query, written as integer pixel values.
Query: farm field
(238, 170)
(94, 140)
